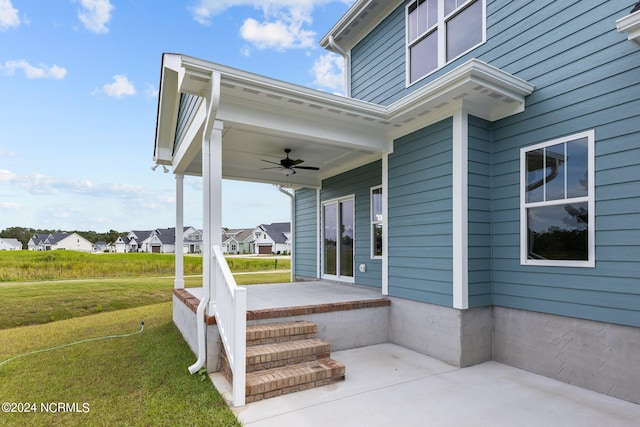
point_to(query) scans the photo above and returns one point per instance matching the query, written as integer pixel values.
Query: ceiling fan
(288, 165)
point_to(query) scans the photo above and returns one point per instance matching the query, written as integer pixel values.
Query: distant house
(272, 238)
(122, 245)
(161, 241)
(238, 241)
(10, 245)
(192, 240)
(100, 246)
(137, 239)
(59, 241)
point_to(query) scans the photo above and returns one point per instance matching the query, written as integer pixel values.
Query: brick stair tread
(280, 332)
(288, 379)
(269, 356)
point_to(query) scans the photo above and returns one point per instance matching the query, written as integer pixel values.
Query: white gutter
(347, 64)
(214, 101)
(293, 227)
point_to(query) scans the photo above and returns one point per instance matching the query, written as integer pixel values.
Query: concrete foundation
(598, 356)
(346, 329)
(458, 337)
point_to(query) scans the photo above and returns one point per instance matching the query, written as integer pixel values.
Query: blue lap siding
(420, 218)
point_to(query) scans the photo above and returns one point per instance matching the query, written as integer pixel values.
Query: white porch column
(179, 280)
(385, 224)
(212, 202)
(460, 210)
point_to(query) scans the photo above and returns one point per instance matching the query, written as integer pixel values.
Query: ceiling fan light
(288, 171)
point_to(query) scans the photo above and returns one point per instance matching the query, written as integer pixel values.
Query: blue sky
(78, 101)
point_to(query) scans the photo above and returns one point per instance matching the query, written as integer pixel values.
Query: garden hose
(74, 343)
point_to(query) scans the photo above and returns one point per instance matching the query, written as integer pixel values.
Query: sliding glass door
(338, 239)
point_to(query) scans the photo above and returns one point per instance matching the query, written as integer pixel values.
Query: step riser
(290, 353)
(285, 358)
(281, 332)
(264, 385)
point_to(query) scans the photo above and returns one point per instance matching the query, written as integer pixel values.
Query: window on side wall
(557, 202)
(439, 31)
(376, 222)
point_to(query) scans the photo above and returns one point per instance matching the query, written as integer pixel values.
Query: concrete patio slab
(388, 385)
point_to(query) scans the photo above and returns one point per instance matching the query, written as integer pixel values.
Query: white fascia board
(168, 103)
(358, 21)
(630, 24)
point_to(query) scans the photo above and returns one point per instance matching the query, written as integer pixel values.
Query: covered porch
(216, 122)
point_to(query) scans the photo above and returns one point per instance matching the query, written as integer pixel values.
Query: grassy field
(138, 380)
(22, 266)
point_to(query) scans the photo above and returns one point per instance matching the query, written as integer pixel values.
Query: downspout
(347, 64)
(201, 331)
(293, 227)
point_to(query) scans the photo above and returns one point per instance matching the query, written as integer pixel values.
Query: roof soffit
(262, 116)
(357, 22)
(630, 24)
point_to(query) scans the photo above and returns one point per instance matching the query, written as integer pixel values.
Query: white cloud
(328, 71)
(151, 91)
(9, 205)
(278, 35)
(7, 153)
(34, 72)
(8, 15)
(120, 87)
(95, 15)
(285, 23)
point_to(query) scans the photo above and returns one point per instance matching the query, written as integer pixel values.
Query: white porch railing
(231, 317)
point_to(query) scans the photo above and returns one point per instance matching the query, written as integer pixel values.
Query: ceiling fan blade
(311, 168)
(296, 162)
(264, 169)
(273, 163)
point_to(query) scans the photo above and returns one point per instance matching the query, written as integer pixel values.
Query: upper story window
(439, 31)
(557, 202)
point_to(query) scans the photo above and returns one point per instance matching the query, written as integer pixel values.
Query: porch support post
(385, 224)
(460, 210)
(179, 279)
(213, 200)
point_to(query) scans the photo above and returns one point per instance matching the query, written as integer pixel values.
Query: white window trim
(590, 199)
(372, 222)
(337, 277)
(442, 44)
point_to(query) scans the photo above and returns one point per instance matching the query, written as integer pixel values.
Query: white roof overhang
(357, 22)
(630, 24)
(262, 116)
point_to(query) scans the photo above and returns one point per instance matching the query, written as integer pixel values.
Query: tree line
(23, 234)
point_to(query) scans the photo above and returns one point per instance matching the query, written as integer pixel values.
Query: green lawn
(141, 380)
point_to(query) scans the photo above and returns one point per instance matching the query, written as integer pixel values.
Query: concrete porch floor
(279, 295)
(388, 385)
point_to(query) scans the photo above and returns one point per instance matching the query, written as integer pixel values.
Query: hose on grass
(74, 343)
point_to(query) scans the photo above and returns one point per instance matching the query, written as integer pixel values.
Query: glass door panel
(346, 238)
(338, 239)
(330, 239)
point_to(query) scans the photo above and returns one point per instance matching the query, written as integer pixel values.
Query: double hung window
(557, 202)
(438, 31)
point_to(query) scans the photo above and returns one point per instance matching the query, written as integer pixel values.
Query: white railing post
(231, 316)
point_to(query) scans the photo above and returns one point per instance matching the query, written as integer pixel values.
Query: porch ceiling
(261, 117)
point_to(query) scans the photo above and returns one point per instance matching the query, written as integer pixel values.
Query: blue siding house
(482, 173)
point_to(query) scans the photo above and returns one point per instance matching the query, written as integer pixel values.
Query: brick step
(275, 355)
(280, 332)
(288, 379)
